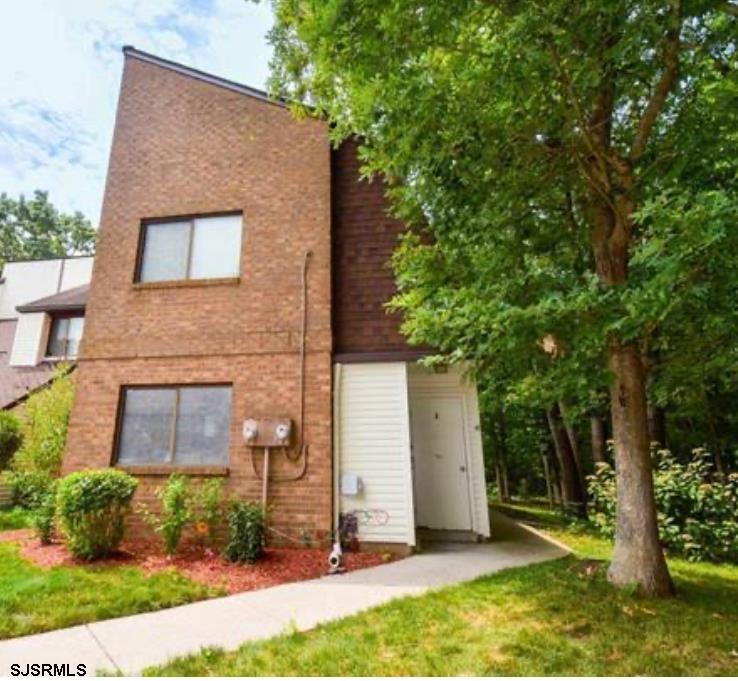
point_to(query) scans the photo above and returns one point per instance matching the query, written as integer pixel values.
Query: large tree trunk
(638, 557)
(612, 187)
(571, 487)
(599, 439)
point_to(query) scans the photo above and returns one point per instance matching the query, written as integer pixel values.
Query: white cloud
(60, 74)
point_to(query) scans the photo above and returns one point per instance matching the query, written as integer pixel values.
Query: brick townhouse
(235, 323)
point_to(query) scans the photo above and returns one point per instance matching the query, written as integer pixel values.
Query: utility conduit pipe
(301, 451)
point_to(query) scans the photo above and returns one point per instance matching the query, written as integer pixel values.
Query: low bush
(29, 487)
(246, 532)
(11, 437)
(175, 513)
(43, 516)
(92, 506)
(698, 509)
(45, 423)
(209, 510)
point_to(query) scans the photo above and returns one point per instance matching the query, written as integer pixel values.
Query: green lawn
(548, 619)
(15, 518)
(34, 599)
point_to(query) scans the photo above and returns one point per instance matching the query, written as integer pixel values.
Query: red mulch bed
(278, 566)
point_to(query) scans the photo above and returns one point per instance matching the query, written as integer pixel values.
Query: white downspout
(409, 472)
(336, 448)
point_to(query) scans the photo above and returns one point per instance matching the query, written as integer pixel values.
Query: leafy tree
(45, 419)
(538, 145)
(36, 229)
(11, 437)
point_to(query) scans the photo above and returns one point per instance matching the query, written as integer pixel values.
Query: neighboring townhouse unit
(236, 323)
(42, 312)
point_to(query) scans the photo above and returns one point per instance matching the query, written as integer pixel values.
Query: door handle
(462, 469)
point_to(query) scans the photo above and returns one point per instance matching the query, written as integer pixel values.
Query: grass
(15, 518)
(33, 599)
(546, 619)
(534, 512)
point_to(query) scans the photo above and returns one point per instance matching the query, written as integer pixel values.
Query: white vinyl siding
(30, 339)
(34, 279)
(373, 442)
(76, 272)
(27, 281)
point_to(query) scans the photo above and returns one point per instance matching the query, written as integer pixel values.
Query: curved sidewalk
(130, 644)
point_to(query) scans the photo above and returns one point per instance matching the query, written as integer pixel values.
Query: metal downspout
(336, 448)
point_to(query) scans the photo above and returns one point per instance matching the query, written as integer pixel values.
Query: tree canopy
(567, 171)
(35, 229)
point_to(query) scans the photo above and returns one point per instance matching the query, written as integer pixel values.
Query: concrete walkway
(129, 644)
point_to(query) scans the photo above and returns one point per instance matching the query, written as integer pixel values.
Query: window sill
(212, 471)
(186, 283)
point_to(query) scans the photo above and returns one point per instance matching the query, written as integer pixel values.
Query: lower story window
(178, 425)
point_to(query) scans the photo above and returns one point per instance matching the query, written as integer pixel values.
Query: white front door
(440, 468)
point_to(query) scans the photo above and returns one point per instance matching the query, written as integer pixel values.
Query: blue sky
(60, 67)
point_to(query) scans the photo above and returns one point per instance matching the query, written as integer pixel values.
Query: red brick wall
(364, 237)
(182, 146)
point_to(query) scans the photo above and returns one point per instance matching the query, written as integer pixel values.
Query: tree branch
(569, 213)
(665, 85)
(595, 150)
(729, 7)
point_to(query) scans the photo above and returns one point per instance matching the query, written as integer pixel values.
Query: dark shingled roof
(71, 300)
(17, 382)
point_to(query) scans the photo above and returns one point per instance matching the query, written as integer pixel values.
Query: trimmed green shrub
(175, 512)
(29, 487)
(92, 506)
(697, 509)
(43, 516)
(11, 437)
(246, 532)
(209, 512)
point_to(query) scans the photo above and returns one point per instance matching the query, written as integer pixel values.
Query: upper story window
(207, 247)
(65, 336)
